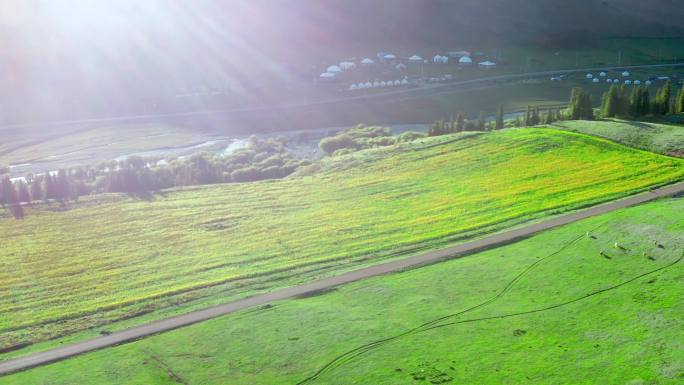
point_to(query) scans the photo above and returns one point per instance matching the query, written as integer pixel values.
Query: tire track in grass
(435, 324)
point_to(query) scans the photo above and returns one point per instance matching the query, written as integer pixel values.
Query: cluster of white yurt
(438, 59)
(378, 84)
(347, 65)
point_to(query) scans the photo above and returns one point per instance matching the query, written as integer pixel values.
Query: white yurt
(625, 74)
(383, 84)
(376, 84)
(589, 76)
(347, 65)
(440, 59)
(616, 80)
(609, 80)
(648, 82)
(416, 59)
(334, 69)
(389, 56)
(353, 87)
(404, 82)
(361, 86)
(397, 82)
(603, 74)
(487, 64)
(367, 61)
(628, 82)
(327, 76)
(637, 82)
(465, 61)
(595, 80)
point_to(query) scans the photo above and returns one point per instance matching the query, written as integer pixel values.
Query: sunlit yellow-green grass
(112, 257)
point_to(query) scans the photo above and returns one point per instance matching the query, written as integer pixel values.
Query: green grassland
(113, 257)
(655, 137)
(552, 310)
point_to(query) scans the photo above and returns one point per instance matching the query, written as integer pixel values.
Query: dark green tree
(23, 193)
(481, 122)
(499, 117)
(679, 101)
(37, 188)
(460, 122)
(661, 105)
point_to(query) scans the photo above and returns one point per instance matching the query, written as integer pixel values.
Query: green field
(655, 137)
(591, 319)
(112, 257)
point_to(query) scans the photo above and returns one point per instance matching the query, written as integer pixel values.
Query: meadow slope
(112, 257)
(662, 138)
(566, 306)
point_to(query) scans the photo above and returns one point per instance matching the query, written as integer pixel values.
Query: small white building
(603, 74)
(404, 82)
(327, 76)
(487, 64)
(368, 85)
(609, 80)
(376, 84)
(465, 61)
(595, 80)
(347, 65)
(637, 82)
(628, 82)
(397, 83)
(648, 82)
(625, 74)
(616, 81)
(389, 56)
(383, 84)
(361, 86)
(333, 69)
(367, 61)
(353, 87)
(416, 59)
(589, 76)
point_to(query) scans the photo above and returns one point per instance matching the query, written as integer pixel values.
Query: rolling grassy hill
(114, 258)
(553, 309)
(665, 139)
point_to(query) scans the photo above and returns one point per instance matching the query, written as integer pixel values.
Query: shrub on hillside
(331, 144)
(410, 136)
